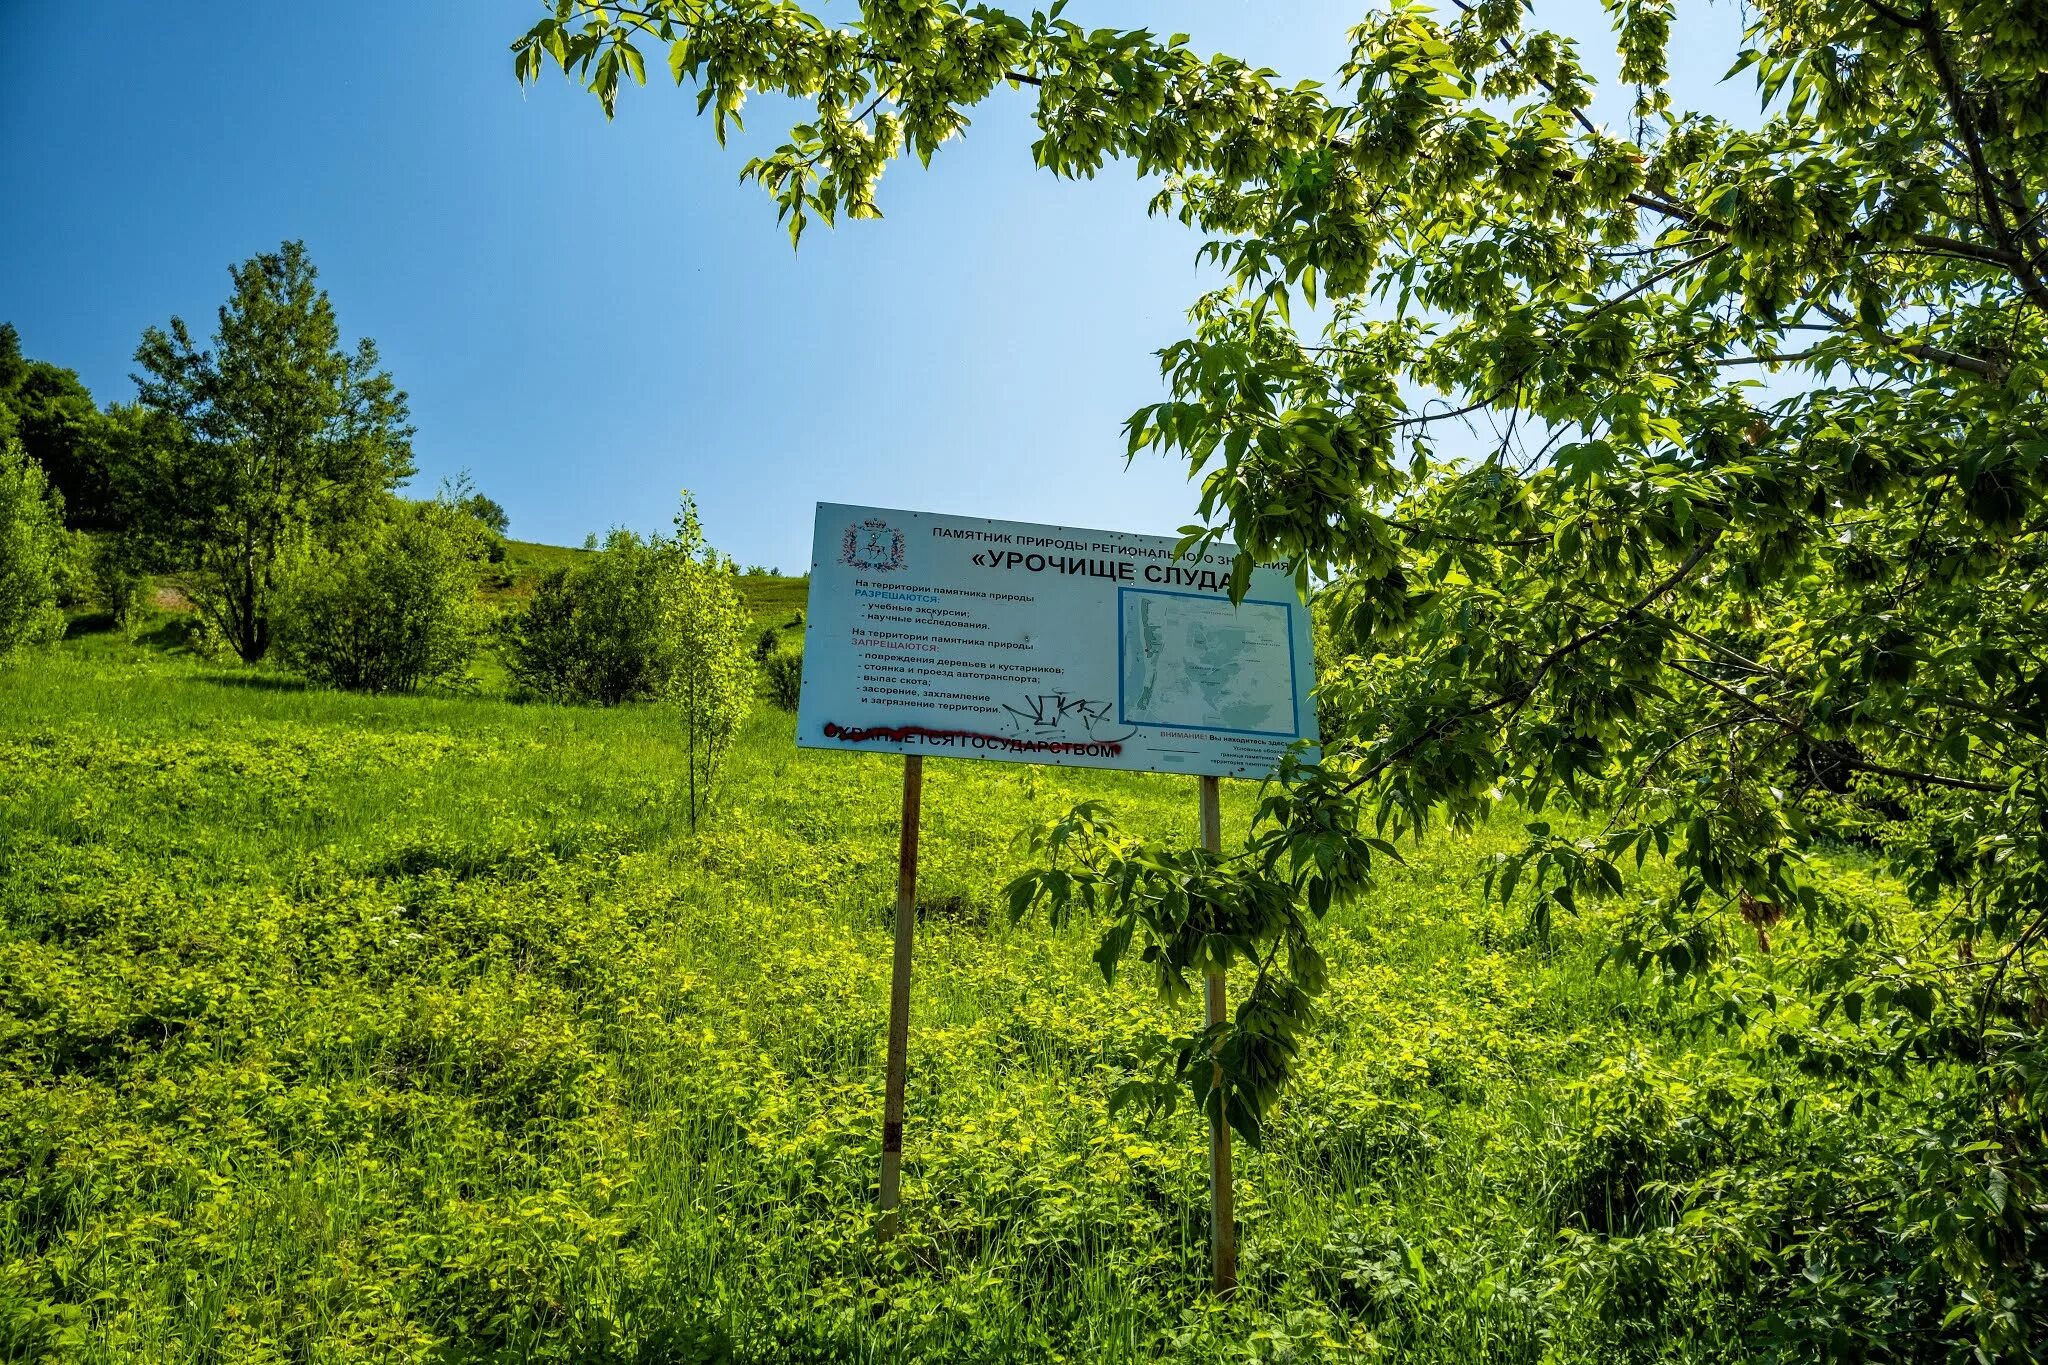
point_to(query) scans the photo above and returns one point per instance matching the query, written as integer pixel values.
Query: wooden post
(899, 991)
(1222, 1197)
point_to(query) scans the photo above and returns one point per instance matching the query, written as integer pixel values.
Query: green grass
(774, 601)
(338, 1029)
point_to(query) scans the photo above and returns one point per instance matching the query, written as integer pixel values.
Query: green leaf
(1116, 941)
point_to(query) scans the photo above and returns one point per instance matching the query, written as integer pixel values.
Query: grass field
(345, 1029)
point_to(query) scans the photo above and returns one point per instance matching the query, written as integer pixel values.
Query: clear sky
(590, 316)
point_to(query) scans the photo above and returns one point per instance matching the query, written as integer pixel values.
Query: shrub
(99, 570)
(784, 670)
(659, 618)
(764, 644)
(121, 583)
(390, 611)
(32, 553)
(598, 632)
(76, 587)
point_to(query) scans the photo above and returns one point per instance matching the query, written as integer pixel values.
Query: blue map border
(1293, 677)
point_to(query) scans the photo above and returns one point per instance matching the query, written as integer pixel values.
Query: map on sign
(1199, 663)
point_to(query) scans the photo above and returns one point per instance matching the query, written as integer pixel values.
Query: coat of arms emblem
(872, 544)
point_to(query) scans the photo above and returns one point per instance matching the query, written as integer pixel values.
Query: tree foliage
(32, 547)
(283, 439)
(1578, 556)
(59, 426)
(488, 512)
(713, 680)
(462, 492)
(784, 671)
(658, 618)
(596, 632)
(392, 609)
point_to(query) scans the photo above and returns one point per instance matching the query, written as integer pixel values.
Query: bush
(99, 570)
(598, 632)
(119, 580)
(659, 618)
(33, 552)
(765, 643)
(77, 587)
(784, 670)
(390, 611)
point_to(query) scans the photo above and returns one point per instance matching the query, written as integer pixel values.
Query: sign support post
(1222, 1195)
(899, 992)
(968, 637)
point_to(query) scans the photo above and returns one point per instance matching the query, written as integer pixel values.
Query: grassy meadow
(424, 1028)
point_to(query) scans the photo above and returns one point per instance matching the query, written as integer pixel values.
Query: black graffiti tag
(1056, 710)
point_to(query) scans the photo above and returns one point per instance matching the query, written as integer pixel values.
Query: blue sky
(590, 316)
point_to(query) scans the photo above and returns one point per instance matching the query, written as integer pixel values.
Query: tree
(31, 550)
(713, 682)
(390, 610)
(13, 364)
(1575, 556)
(60, 428)
(287, 440)
(488, 511)
(463, 493)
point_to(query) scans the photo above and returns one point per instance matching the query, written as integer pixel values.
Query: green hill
(772, 600)
(350, 1029)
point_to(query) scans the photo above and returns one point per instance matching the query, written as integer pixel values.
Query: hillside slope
(771, 599)
(365, 1029)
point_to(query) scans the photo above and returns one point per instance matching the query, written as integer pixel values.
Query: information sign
(970, 638)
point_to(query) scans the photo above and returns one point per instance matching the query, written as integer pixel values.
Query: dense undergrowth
(341, 1029)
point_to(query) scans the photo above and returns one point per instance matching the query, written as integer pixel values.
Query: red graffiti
(970, 739)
